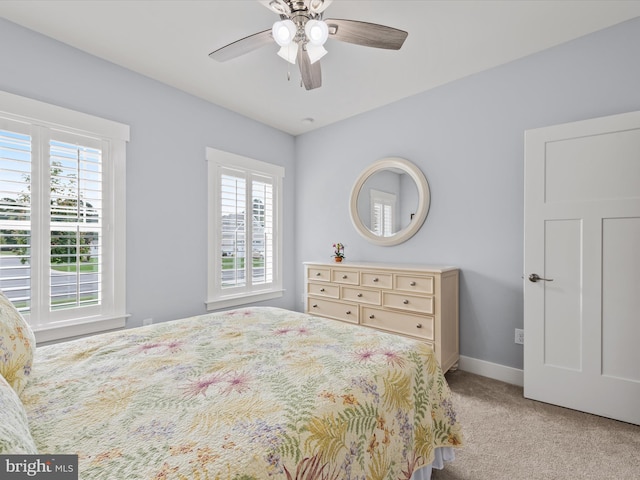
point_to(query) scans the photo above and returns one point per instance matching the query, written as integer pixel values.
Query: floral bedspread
(256, 393)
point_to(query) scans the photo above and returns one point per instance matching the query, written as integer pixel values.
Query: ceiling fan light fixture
(316, 52)
(300, 32)
(283, 32)
(318, 6)
(315, 4)
(289, 52)
(317, 32)
(277, 7)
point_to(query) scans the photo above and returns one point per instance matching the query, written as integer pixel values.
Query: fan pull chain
(289, 77)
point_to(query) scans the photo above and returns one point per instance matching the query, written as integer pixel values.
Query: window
(61, 217)
(245, 214)
(383, 207)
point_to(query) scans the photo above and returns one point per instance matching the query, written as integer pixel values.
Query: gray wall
(467, 137)
(166, 167)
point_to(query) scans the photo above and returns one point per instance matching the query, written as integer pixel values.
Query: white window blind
(15, 215)
(383, 207)
(61, 219)
(245, 218)
(76, 218)
(262, 230)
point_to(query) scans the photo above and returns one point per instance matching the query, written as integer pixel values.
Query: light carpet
(510, 437)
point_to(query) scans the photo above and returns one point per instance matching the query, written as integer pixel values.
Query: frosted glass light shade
(283, 32)
(289, 52)
(317, 32)
(316, 52)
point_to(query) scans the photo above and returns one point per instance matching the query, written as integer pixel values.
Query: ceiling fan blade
(367, 34)
(311, 72)
(242, 46)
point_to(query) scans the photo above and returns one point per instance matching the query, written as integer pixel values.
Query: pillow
(17, 344)
(15, 436)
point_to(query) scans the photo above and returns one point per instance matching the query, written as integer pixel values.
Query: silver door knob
(534, 277)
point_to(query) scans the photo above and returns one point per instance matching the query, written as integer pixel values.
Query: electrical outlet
(519, 336)
(147, 321)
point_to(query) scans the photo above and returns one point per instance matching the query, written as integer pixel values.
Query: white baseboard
(496, 371)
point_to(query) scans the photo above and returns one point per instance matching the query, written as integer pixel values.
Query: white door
(582, 234)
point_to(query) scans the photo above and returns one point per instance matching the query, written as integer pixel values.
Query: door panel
(621, 298)
(563, 305)
(582, 232)
(582, 169)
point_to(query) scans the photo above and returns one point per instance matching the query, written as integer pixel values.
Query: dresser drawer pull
(419, 325)
(315, 306)
(359, 295)
(413, 284)
(344, 276)
(348, 312)
(406, 302)
(318, 274)
(375, 279)
(372, 316)
(322, 289)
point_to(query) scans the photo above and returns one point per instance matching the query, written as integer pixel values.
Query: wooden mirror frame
(424, 201)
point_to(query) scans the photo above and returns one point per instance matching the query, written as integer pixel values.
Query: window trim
(44, 115)
(217, 160)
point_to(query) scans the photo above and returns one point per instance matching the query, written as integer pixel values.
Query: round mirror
(390, 201)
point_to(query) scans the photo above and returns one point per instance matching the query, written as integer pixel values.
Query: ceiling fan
(301, 34)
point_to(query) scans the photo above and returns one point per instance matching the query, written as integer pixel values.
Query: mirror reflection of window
(383, 213)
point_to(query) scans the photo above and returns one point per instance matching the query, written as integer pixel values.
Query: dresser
(415, 301)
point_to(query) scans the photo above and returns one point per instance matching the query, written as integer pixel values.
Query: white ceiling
(170, 42)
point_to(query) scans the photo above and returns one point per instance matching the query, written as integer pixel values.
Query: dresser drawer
(349, 277)
(379, 280)
(324, 290)
(397, 322)
(410, 303)
(319, 274)
(415, 283)
(361, 295)
(328, 308)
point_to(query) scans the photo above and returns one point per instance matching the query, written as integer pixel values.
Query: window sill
(228, 302)
(77, 328)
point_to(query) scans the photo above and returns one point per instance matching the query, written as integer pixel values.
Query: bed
(249, 394)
